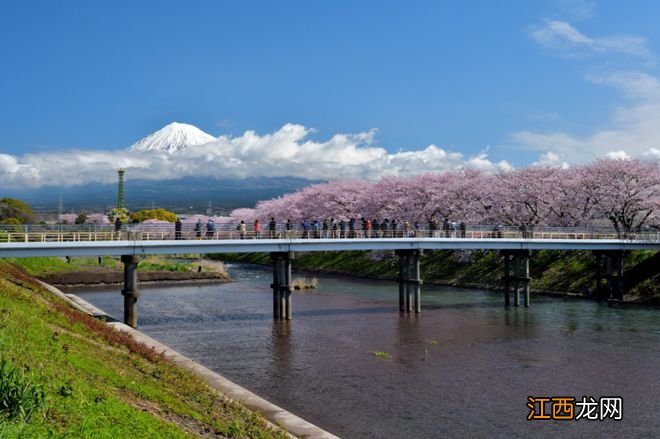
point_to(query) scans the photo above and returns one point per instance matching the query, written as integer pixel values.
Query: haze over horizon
(323, 91)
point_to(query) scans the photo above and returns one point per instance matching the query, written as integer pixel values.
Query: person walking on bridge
(289, 228)
(272, 225)
(177, 228)
(257, 229)
(210, 229)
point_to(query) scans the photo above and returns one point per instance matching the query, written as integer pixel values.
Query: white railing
(229, 231)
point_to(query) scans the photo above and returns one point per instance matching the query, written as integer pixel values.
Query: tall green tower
(120, 189)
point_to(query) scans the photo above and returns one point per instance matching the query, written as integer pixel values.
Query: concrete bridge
(515, 248)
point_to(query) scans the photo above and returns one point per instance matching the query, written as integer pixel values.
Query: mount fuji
(182, 195)
(172, 138)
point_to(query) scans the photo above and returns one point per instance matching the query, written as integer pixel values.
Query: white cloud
(551, 159)
(634, 85)
(563, 36)
(285, 152)
(617, 155)
(633, 129)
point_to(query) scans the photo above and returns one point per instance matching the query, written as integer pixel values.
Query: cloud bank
(632, 130)
(286, 152)
(561, 35)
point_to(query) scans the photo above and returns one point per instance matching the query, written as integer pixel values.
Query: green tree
(123, 215)
(159, 214)
(81, 219)
(13, 211)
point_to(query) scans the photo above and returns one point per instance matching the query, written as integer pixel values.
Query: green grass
(44, 266)
(98, 382)
(48, 265)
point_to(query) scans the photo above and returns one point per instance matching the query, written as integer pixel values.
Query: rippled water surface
(465, 367)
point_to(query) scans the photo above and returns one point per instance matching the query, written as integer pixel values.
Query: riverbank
(553, 272)
(75, 272)
(64, 373)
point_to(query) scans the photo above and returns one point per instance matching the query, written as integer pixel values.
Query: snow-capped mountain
(171, 138)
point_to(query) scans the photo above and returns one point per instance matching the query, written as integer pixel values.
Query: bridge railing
(230, 231)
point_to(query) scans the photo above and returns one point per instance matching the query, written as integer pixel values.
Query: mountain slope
(171, 138)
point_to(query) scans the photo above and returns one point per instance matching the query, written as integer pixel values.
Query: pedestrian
(272, 225)
(375, 225)
(445, 227)
(333, 223)
(118, 228)
(242, 229)
(198, 229)
(325, 228)
(368, 228)
(257, 229)
(210, 229)
(305, 226)
(342, 227)
(463, 228)
(394, 226)
(384, 227)
(433, 228)
(177, 228)
(289, 228)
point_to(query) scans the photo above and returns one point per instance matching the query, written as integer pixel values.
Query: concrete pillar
(609, 274)
(516, 280)
(417, 279)
(282, 289)
(619, 275)
(598, 275)
(130, 291)
(402, 284)
(408, 270)
(507, 278)
(526, 278)
(409, 281)
(275, 287)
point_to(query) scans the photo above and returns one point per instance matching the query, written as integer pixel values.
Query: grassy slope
(99, 383)
(550, 270)
(49, 265)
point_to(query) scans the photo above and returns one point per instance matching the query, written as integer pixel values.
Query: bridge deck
(140, 247)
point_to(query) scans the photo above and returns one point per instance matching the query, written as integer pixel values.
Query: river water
(465, 367)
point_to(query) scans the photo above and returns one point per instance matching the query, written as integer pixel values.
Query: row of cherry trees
(622, 193)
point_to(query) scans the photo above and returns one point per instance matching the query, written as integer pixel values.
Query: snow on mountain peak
(173, 137)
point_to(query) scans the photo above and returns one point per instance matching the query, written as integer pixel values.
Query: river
(465, 367)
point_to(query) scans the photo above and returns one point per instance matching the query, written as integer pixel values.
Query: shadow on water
(344, 311)
(461, 306)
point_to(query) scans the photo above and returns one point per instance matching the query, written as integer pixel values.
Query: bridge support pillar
(611, 263)
(281, 285)
(520, 275)
(410, 282)
(130, 291)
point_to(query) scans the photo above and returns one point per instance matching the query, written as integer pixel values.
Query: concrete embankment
(295, 425)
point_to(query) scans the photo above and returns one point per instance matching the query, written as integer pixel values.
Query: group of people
(332, 228)
(355, 228)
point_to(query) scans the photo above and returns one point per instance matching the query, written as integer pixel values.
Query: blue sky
(526, 81)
